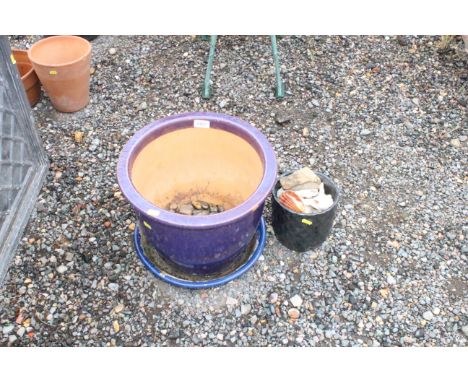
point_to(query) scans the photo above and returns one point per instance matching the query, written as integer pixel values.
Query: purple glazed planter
(198, 244)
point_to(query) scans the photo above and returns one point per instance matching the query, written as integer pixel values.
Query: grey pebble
(282, 118)
(273, 298)
(391, 280)
(8, 329)
(428, 316)
(451, 235)
(62, 269)
(245, 309)
(142, 106)
(465, 330)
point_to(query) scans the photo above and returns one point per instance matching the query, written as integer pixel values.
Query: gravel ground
(385, 117)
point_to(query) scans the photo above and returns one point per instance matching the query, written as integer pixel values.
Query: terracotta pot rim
(145, 207)
(69, 63)
(28, 73)
(31, 69)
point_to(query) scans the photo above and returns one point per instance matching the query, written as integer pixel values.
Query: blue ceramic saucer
(203, 284)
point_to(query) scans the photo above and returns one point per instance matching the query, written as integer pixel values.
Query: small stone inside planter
(194, 206)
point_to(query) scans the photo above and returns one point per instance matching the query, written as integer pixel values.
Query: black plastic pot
(303, 232)
(89, 37)
(86, 37)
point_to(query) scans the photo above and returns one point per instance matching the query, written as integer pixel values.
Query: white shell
(321, 202)
(307, 194)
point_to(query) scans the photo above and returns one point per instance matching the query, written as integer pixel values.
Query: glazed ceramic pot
(31, 83)
(62, 64)
(218, 156)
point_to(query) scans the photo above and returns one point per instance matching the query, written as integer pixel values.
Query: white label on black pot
(201, 123)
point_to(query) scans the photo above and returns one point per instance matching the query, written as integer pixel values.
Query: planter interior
(23, 64)
(59, 50)
(24, 69)
(212, 165)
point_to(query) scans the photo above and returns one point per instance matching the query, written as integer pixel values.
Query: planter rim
(31, 69)
(28, 73)
(41, 41)
(321, 176)
(193, 222)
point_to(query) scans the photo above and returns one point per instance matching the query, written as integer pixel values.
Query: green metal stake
(279, 82)
(206, 92)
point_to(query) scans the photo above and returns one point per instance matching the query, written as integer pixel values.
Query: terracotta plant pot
(62, 64)
(31, 83)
